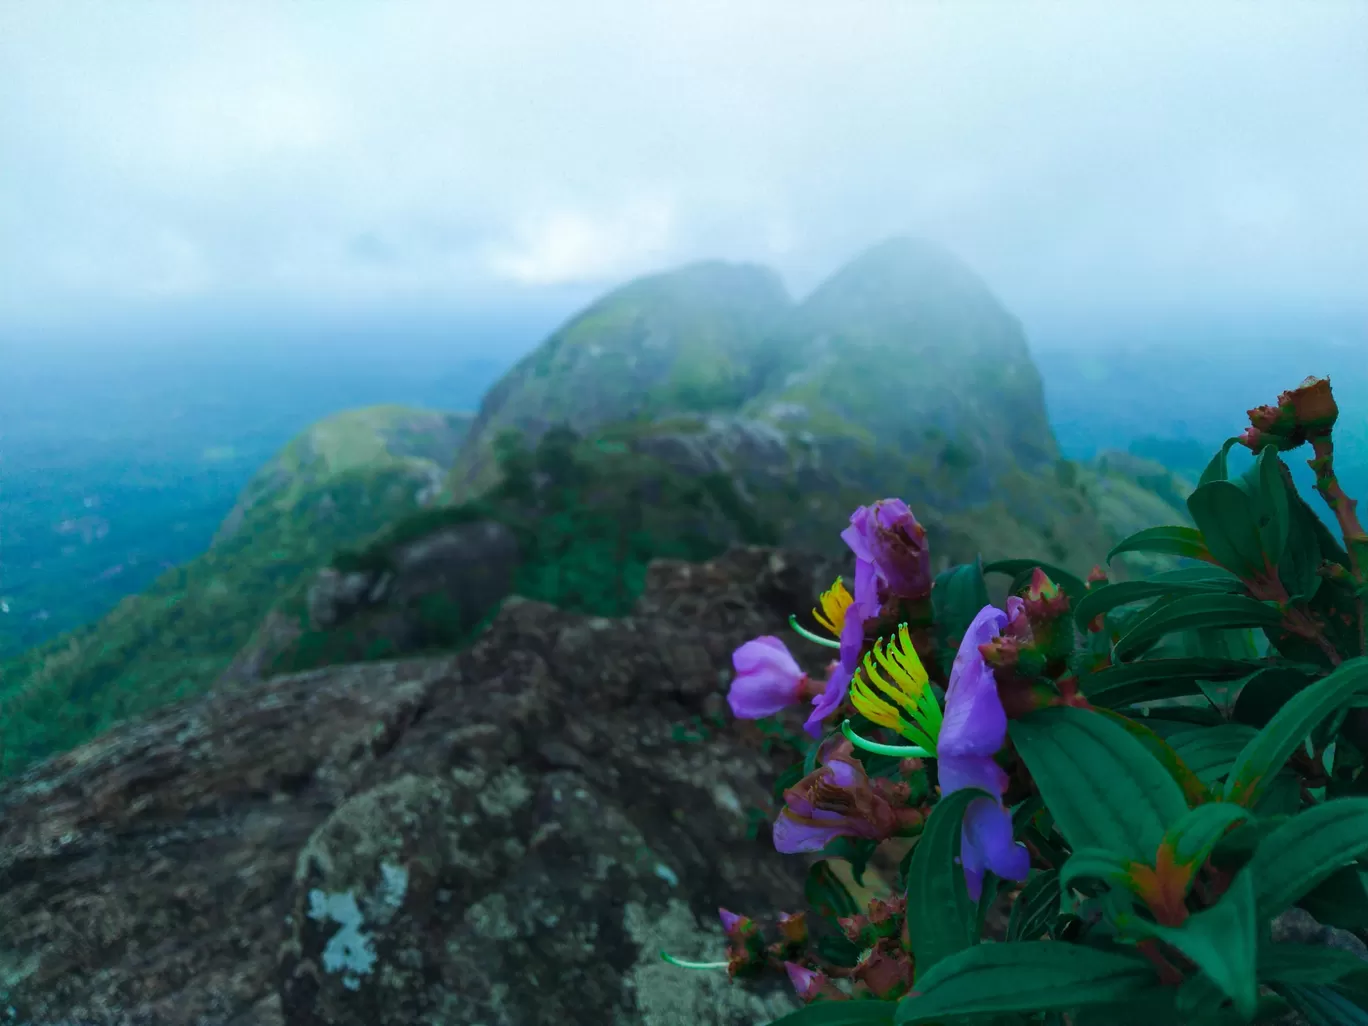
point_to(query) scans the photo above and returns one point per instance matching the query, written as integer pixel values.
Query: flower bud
(811, 985)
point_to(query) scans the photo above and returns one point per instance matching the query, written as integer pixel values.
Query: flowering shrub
(1111, 789)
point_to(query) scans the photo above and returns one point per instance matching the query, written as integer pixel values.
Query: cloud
(1092, 159)
(570, 248)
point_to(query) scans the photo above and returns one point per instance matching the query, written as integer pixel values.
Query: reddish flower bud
(884, 973)
(811, 985)
(793, 930)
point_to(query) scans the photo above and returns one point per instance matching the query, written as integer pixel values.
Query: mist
(214, 174)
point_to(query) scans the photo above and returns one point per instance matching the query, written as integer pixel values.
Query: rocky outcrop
(429, 592)
(509, 835)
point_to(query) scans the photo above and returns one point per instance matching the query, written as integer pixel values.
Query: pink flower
(767, 680)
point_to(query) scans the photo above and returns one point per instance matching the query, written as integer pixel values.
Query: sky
(169, 166)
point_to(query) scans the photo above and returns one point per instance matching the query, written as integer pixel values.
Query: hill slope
(338, 483)
(688, 340)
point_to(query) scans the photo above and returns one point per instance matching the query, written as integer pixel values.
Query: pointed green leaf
(1307, 963)
(1103, 787)
(1307, 849)
(1341, 900)
(1321, 1005)
(842, 1013)
(1224, 513)
(1300, 564)
(1266, 691)
(1186, 542)
(1036, 908)
(826, 895)
(1264, 481)
(1110, 596)
(1211, 751)
(1191, 612)
(1073, 586)
(1194, 837)
(1095, 864)
(1149, 680)
(938, 907)
(1218, 469)
(1194, 791)
(1223, 941)
(1030, 976)
(1289, 727)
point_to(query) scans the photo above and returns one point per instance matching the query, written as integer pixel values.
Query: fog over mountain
(1109, 168)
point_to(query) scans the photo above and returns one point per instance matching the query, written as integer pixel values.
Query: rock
(509, 835)
(334, 596)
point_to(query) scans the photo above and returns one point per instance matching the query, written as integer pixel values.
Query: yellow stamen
(835, 601)
(905, 703)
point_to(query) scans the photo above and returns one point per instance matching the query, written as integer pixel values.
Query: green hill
(689, 340)
(335, 485)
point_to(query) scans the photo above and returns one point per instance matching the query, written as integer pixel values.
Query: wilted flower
(811, 985)
(974, 730)
(884, 971)
(836, 800)
(767, 680)
(888, 537)
(745, 944)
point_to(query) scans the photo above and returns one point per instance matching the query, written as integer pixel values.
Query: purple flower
(973, 731)
(888, 537)
(767, 680)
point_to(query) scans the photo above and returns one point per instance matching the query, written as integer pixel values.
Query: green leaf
(1072, 586)
(1030, 976)
(1341, 900)
(1036, 907)
(1218, 469)
(1289, 727)
(938, 902)
(841, 1013)
(1266, 691)
(1306, 850)
(1321, 1005)
(1307, 963)
(1186, 542)
(1149, 680)
(1194, 837)
(1300, 564)
(1194, 790)
(1222, 941)
(1103, 787)
(957, 596)
(826, 895)
(1224, 513)
(1095, 864)
(1110, 596)
(1264, 481)
(1210, 752)
(1191, 612)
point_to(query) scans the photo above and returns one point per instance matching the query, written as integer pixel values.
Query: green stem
(691, 965)
(901, 751)
(828, 642)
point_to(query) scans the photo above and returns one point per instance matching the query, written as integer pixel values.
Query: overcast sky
(1096, 162)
